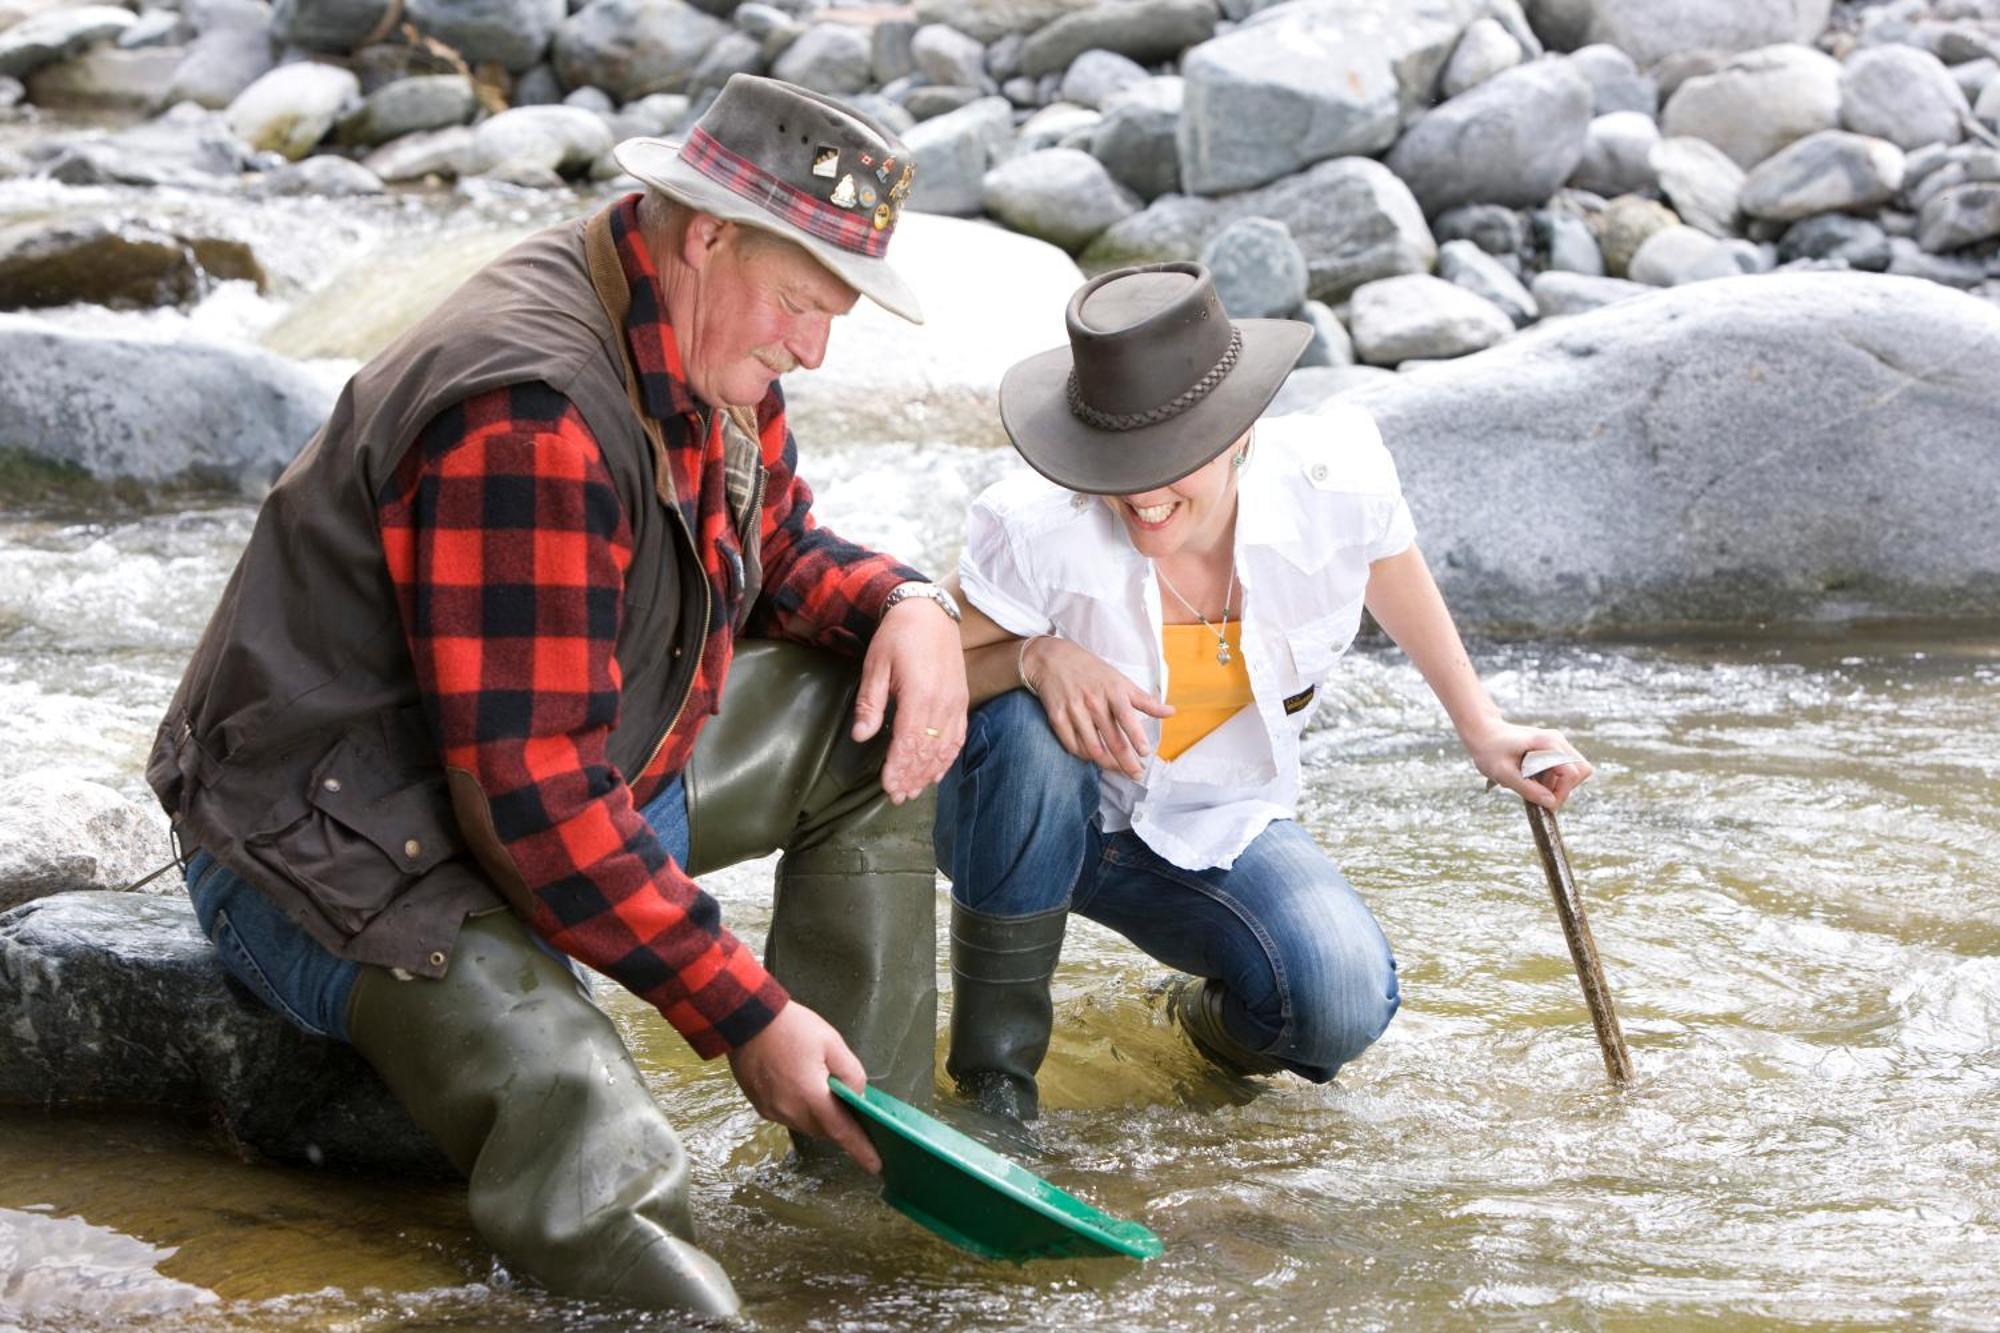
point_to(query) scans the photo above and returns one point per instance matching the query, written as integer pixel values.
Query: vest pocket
(365, 829)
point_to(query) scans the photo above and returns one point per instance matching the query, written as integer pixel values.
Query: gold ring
(932, 731)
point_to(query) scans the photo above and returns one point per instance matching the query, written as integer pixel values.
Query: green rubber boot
(854, 919)
(575, 1178)
(1196, 1004)
(1001, 1010)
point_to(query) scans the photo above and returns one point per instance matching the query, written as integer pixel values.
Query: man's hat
(1156, 381)
(777, 157)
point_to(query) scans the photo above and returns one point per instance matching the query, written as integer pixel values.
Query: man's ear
(706, 236)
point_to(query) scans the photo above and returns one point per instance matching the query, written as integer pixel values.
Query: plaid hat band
(740, 176)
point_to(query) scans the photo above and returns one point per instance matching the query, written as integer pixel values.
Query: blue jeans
(1306, 973)
(294, 973)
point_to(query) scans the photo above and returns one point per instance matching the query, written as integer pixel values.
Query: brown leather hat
(1155, 382)
(773, 155)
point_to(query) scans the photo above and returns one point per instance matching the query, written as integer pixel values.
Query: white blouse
(1319, 501)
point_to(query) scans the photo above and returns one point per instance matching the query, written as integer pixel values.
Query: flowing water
(1791, 854)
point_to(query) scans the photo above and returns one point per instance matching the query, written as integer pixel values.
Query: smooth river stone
(1829, 172)
(1758, 102)
(1418, 317)
(1903, 95)
(1513, 140)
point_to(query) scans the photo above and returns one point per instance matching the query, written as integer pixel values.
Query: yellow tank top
(1204, 692)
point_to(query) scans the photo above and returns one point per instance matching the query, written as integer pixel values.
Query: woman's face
(1192, 514)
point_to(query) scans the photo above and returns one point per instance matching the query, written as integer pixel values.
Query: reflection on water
(1792, 859)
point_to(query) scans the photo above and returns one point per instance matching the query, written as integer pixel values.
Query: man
(463, 663)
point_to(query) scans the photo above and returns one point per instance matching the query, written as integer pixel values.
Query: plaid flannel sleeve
(508, 548)
(819, 588)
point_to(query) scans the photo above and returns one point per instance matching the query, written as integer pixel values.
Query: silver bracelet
(902, 592)
(1021, 663)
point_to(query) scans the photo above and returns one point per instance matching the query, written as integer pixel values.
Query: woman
(1148, 622)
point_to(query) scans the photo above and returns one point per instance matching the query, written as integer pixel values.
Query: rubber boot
(1196, 1003)
(1001, 1010)
(854, 918)
(574, 1176)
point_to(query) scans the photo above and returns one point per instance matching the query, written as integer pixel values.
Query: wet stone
(126, 267)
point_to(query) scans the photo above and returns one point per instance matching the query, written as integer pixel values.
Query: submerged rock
(117, 1001)
(130, 266)
(1868, 395)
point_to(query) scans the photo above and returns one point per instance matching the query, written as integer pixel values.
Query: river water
(1791, 854)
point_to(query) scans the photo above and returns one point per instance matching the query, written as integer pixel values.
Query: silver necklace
(1228, 591)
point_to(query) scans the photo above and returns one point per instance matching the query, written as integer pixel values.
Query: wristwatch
(902, 592)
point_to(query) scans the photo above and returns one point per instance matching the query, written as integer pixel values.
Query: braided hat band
(1167, 411)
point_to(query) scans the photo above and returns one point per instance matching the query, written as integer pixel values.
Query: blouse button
(413, 849)
(1079, 501)
(1318, 472)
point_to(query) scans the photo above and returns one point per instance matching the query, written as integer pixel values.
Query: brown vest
(296, 750)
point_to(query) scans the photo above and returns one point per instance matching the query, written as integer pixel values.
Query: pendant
(1222, 654)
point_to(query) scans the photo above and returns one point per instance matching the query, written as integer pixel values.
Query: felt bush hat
(774, 156)
(1156, 381)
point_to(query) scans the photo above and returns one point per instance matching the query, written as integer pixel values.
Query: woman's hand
(1497, 749)
(1094, 710)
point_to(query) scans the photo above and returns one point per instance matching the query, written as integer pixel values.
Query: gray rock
(1003, 57)
(1674, 255)
(1758, 102)
(1569, 244)
(1352, 217)
(877, 108)
(562, 139)
(157, 27)
(1678, 68)
(1309, 387)
(1143, 32)
(1060, 195)
(1135, 139)
(928, 103)
(1464, 264)
(538, 87)
(990, 20)
(1903, 95)
(331, 177)
(512, 33)
(1703, 183)
(832, 58)
(427, 102)
(1496, 230)
(58, 834)
(1055, 123)
(1308, 82)
(1512, 140)
(1260, 272)
(1484, 50)
(290, 109)
(1855, 242)
(1962, 216)
(779, 40)
(1419, 317)
(594, 100)
(1615, 82)
(733, 53)
(1908, 259)
(224, 60)
(333, 26)
(891, 50)
(655, 114)
(446, 152)
(1869, 395)
(187, 147)
(947, 56)
(1987, 112)
(953, 153)
(633, 47)
(1649, 31)
(1627, 223)
(123, 265)
(1330, 345)
(58, 35)
(1618, 155)
(116, 1000)
(1973, 76)
(1095, 77)
(760, 21)
(153, 412)
(1829, 172)
(1562, 293)
(106, 78)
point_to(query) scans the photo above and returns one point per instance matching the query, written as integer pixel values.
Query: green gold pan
(979, 1200)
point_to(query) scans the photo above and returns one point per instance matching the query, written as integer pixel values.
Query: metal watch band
(902, 592)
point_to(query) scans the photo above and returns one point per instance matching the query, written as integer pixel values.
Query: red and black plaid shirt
(508, 546)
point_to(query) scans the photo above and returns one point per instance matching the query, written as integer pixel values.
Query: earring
(1240, 459)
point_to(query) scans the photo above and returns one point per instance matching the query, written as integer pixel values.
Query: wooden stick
(1582, 948)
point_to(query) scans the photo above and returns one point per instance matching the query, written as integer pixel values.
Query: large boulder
(1352, 217)
(1308, 81)
(1512, 140)
(1758, 102)
(1060, 195)
(990, 299)
(1790, 445)
(59, 833)
(58, 35)
(511, 33)
(153, 412)
(1651, 30)
(1903, 95)
(1142, 32)
(116, 1001)
(633, 47)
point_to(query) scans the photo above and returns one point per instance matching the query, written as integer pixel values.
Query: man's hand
(783, 1069)
(917, 660)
